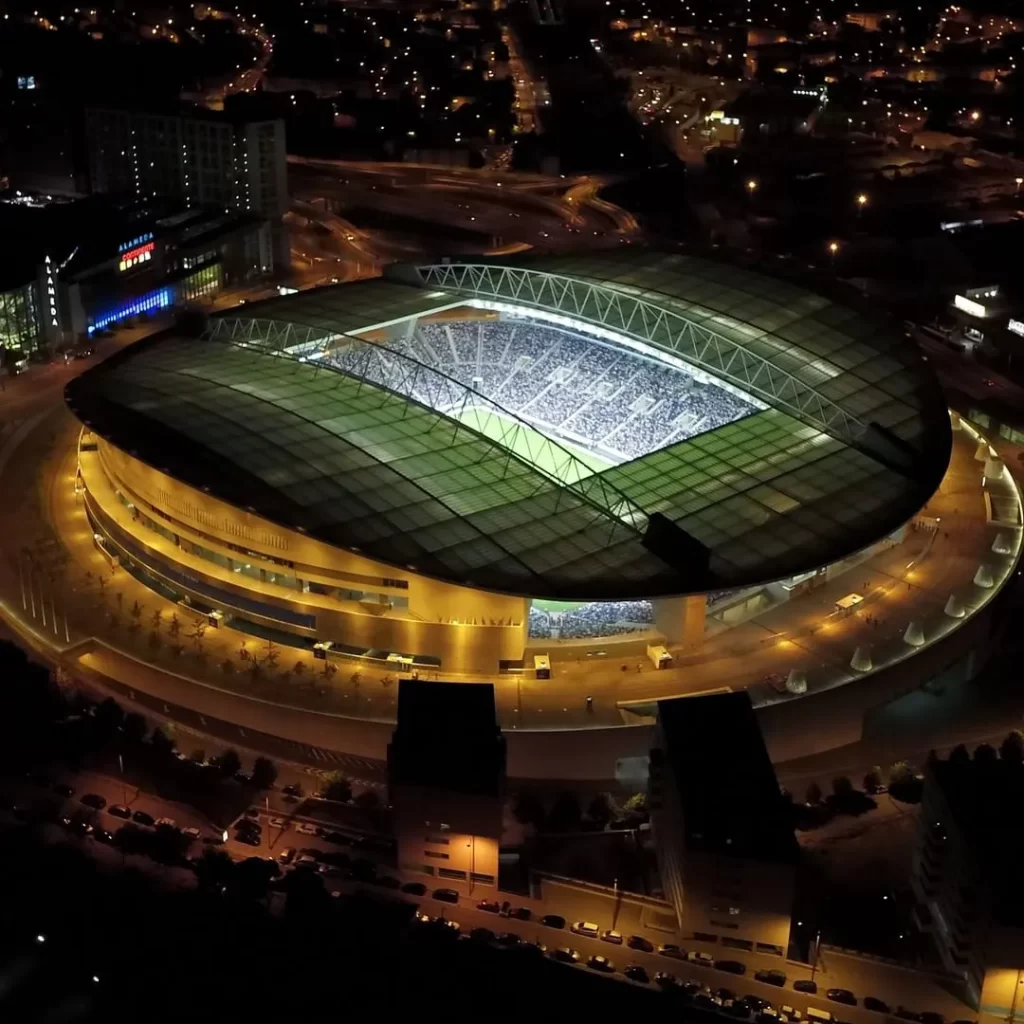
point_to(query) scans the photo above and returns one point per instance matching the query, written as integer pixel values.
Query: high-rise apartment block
(204, 159)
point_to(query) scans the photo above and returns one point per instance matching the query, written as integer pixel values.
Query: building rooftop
(447, 737)
(731, 801)
(854, 441)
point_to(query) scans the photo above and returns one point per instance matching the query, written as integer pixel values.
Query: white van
(823, 1016)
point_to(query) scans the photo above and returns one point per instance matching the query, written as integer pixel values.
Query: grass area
(532, 446)
(558, 606)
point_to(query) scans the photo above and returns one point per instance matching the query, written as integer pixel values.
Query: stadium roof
(856, 441)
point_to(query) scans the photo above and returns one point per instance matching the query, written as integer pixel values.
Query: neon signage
(132, 257)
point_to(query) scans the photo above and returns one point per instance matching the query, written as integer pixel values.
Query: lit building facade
(725, 846)
(446, 783)
(965, 878)
(202, 160)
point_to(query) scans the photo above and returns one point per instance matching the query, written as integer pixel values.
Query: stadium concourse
(457, 468)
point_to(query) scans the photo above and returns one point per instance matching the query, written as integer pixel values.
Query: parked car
(904, 1014)
(191, 832)
(565, 955)
(602, 964)
(772, 977)
(670, 949)
(142, 818)
(167, 823)
(287, 855)
(731, 966)
(756, 1003)
(482, 935)
(552, 921)
(489, 906)
(103, 836)
(636, 973)
(509, 940)
(805, 985)
(845, 996)
(415, 888)
(790, 1013)
(278, 823)
(928, 1017)
(701, 959)
(614, 937)
(586, 928)
(94, 800)
(119, 811)
(446, 895)
(639, 942)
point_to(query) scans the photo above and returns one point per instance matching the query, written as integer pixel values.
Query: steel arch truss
(460, 406)
(645, 321)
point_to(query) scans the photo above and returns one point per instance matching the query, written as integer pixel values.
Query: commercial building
(966, 877)
(723, 835)
(201, 159)
(446, 783)
(82, 266)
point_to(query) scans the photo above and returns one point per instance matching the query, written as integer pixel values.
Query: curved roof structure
(854, 440)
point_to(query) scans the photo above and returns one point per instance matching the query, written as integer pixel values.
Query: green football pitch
(532, 446)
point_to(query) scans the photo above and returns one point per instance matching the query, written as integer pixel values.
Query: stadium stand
(615, 403)
(596, 619)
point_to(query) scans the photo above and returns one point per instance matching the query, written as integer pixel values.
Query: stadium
(457, 466)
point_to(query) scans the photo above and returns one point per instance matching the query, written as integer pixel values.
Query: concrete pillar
(914, 635)
(981, 452)
(955, 607)
(994, 468)
(1002, 544)
(681, 619)
(983, 577)
(861, 660)
(796, 682)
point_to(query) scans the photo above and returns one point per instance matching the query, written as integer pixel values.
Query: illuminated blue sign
(161, 298)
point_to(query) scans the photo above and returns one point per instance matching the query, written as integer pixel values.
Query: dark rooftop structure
(731, 801)
(447, 738)
(983, 797)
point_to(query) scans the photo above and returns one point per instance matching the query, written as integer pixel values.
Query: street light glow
(862, 199)
(751, 185)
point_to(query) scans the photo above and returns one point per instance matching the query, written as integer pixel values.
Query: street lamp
(833, 248)
(751, 186)
(862, 201)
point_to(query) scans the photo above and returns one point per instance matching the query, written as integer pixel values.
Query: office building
(966, 877)
(446, 781)
(723, 835)
(85, 265)
(202, 159)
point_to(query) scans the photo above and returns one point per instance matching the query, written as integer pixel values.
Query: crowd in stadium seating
(599, 618)
(609, 400)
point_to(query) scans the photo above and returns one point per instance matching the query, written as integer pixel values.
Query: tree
(636, 803)
(1012, 748)
(156, 619)
(136, 612)
(367, 800)
(528, 808)
(264, 773)
(565, 813)
(174, 626)
(227, 667)
(600, 810)
(271, 653)
(109, 717)
(900, 774)
(842, 788)
(154, 641)
(213, 869)
(959, 755)
(985, 753)
(813, 794)
(134, 727)
(228, 763)
(252, 877)
(336, 787)
(873, 780)
(161, 742)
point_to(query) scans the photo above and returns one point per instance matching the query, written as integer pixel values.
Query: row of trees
(565, 812)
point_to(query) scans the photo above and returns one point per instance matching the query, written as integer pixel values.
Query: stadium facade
(442, 465)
